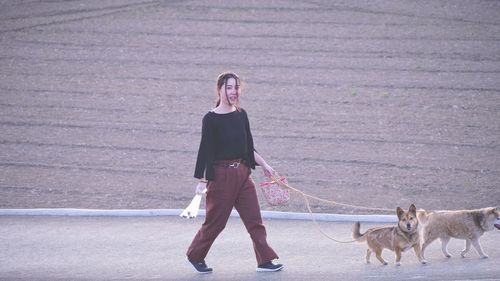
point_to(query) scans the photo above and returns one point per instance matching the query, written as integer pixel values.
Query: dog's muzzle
(497, 226)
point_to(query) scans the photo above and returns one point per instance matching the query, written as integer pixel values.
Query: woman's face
(232, 90)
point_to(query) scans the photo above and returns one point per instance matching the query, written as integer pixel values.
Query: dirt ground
(372, 103)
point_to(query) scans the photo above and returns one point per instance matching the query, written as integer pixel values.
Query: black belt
(229, 163)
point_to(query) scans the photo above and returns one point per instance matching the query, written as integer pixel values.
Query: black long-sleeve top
(224, 137)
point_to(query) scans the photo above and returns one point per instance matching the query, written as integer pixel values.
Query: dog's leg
(378, 254)
(418, 252)
(398, 256)
(467, 248)
(368, 254)
(477, 246)
(444, 246)
(427, 241)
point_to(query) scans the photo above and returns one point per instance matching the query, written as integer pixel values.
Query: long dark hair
(222, 80)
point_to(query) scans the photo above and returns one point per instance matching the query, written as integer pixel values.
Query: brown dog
(395, 238)
(465, 224)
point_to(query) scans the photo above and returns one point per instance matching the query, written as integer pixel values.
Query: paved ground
(376, 103)
(89, 248)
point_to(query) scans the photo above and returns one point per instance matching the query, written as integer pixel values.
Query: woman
(225, 157)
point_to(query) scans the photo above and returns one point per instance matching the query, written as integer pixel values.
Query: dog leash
(278, 180)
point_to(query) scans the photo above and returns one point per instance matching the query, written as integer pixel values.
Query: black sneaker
(269, 267)
(201, 267)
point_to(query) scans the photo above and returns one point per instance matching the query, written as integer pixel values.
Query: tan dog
(395, 238)
(466, 224)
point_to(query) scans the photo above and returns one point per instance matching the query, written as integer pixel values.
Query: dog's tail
(422, 216)
(356, 234)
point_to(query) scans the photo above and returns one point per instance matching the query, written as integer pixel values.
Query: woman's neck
(224, 108)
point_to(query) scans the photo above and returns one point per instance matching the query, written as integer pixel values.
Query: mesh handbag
(275, 191)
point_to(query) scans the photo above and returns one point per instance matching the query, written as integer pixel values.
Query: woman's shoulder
(208, 116)
(244, 112)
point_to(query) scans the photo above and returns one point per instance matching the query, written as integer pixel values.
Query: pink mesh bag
(275, 192)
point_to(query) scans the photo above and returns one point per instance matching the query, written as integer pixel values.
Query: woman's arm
(268, 170)
(204, 161)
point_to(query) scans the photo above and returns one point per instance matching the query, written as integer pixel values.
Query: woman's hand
(268, 170)
(200, 188)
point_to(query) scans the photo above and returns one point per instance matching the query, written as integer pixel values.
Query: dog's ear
(494, 211)
(400, 212)
(413, 209)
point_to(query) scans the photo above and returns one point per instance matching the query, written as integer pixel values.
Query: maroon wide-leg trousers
(232, 187)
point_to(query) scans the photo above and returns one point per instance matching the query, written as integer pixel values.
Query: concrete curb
(176, 212)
